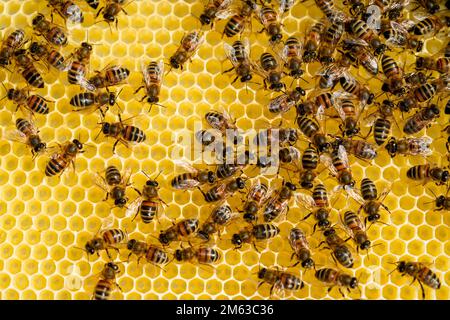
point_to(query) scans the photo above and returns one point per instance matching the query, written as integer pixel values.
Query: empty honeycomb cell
(28, 295)
(434, 247)
(50, 207)
(15, 237)
(416, 247)
(39, 251)
(33, 236)
(43, 223)
(23, 252)
(46, 295)
(6, 251)
(407, 232)
(47, 267)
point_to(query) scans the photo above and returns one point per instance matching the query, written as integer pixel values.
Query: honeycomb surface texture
(44, 221)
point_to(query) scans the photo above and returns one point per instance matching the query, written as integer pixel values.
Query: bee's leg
(128, 258)
(228, 70)
(137, 190)
(256, 248)
(422, 290)
(99, 11)
(118, 287)
(114, 146)
(329, 289)
(260, 284)
(343, 295)
(107, 252)
(137, 212)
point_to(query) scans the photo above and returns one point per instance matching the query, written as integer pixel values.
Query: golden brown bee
(87, 100)
(122, 132)
(360, 30)
(312, 130)
(286, 137)
(280, 280)
(419, 272)
(309, 160)
(337, 163)
(256, 197)
(13, 41)
(50, 56)
(27, 69)
(397, 35)
(357, 53)
(115, 184)
(278, 204)
(312, 41)
(271, 70)
(239, 56)
(28, 134)
(380, 121)
(424, 92)
(292, 57)
(329, 10)
(337, 278)
(316, 104)
(421, 119)
(152, 254)
(33, 103)
(179, 231)
(395, 77)
(104, 240)
(67, 10)
(220, 217)
(224, 190)
(340, 252)
(349, 113)
(202, 255)
(286, 101)
(441, 202)
(255, 233)
(329, 76)
(353, 86)
(241, 19)
(299, 243)
(107, 282)
(188, 46)
(426, 172)
(270, 19)
(431, 24)
(111, 10)
(318, 205)
(359, 148)
(441, 65)
(61, 160)
(228, 168)
(193, 178)
(152, 77)
(53, 33)
(431, 6)
(79, 66)
(409, 146)
(329, 40)
(108, 77)
(215, 9)
(356, 229)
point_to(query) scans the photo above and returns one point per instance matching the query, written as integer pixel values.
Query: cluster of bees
(343, 40)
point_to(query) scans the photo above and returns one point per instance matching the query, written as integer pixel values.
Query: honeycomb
(43, 221)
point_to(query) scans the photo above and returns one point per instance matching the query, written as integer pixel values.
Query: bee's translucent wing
(99, 181)
(15, 135)
(306, 201)
(107, 223)
(326, 160)
(231, 54)
(342, 154)
(133, 207)
(352, 192)
(185, 165)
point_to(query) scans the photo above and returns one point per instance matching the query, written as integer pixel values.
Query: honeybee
(356, 7)
(349, 113)
(359, 148)
(337, 163)
(292, 57)
(27, 69)
(33, 103)
(188, 46)
(312, 41)
(193, 178)
(312, 130)
(409, 146)
(431, 24)
(152, 77)
(226, 169)
(270, 19)
(380, 121)
(254, 233)
(104, 240)
(280, 280)
(289, 155)
(239, 56)
(111, 10)
(419, 272)
(329, 40)
(122, 132)
(340, 252)
(426, 172)
(441, 202)
(86, 100)
(241, 19)
(337, 278)
(424, 92)
(271, 70)
(179, 231)
(93, 3)
(224, 190)
(115, 184)
(215, 9)
(318, 205)
(329, 10)
(391, 8)
(61, 160)
(256, 197)
(316, 104)
(10, 44)
(152, 254)
(108, 77)
(67, 10)
(78, 67)
(299, 243)
(107, 282)
(53, 33)
(278, 204)
(441, 65)
(28, 134)
(286, 101)
(421, 119)
(220, 217)
(395, 77)
(50, 56)
(202, 255)
(356, 230)
(357, 53)
(309, 161)
(330, 75)
(354, 87)
(286, 137)
(397, 35)
(360, 30)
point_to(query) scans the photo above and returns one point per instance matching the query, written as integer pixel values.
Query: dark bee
(292, 57)
(115, 184)
(357, 53)
(122, 132)
(50, 56)
(337, 278)
(356, 7)
(397, 35)
(13, 41)
(86, 100)
(270, 20)
(78, 67)
(441, 65)
(226, 169)
(340, 252)
(289, 154)
(105, 240)
(309, 160)
(442, 202)
(67, 10)
(286, 137)
(316, 105)
(33, 103)
(391, 8)
(356, 229)
(107, 282)
(27, 69)
(256, 197)
(380, 120)
(419, 272)
(278, 204)
(359, 148)
(179, 231)
(330, 75)
(431, 24)
(270, 69)
(286, 101)
(220, 217)
(421, 119)
(255, 233)
(349, 114)
(240, 19)
(280, 280)
(426, 172)
(318, 205)
(394, 75)
(202, 255)
(299, 243)
(337, 163)
(152, 254)
(53, 33)
(224, 190)
(188, 46)
(193, 178)
(111, 10)
(61, 160)
(312, 41)
(409, 146)
(351, 85)
(312, 130)
(93, 3)
(111, 76)
(29, 134)
(329, 10)
(239, 56)
(329, 40)
(360, 30)
(152, 76)
(213, 10)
